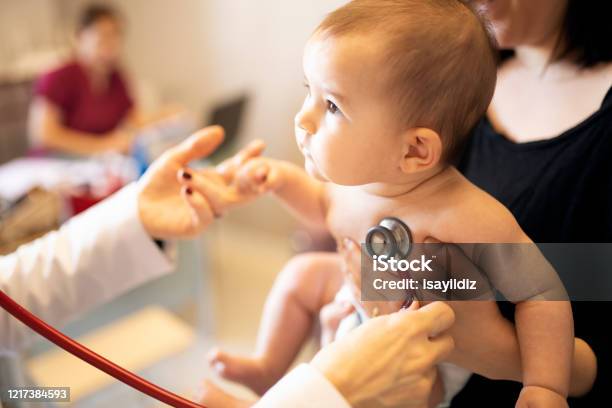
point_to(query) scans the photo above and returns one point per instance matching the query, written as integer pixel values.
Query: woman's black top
(559, 190)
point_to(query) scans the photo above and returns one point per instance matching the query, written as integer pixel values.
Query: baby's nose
(304, 123)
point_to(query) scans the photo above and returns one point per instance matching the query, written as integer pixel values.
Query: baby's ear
(421, 150)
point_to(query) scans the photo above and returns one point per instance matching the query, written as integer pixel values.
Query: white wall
(30, 36)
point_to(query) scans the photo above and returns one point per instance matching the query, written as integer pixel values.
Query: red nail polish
(189, 191)
(186, 175)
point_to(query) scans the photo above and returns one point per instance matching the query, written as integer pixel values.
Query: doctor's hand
(178, 202)
(390, 358)
(167, 209)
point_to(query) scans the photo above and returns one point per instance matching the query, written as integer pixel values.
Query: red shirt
(69, 88)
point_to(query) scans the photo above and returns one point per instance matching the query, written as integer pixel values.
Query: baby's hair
(439, 56)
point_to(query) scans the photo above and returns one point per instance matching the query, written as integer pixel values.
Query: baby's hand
(217, 186)
(259, 175)
(229, 167)
(330, 317)
(539, 397)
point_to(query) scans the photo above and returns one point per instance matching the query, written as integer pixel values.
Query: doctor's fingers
(201, 212)
(230, 166)
(441, 347)
(219, 196)
(432, 319)
(199, 145)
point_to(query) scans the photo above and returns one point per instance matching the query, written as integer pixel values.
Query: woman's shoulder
(68, 69)
(62, 76)
(59, 83)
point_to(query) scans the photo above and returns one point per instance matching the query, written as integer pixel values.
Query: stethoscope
(78, 350)
(391, 235)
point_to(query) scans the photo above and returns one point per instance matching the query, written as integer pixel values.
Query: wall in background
(32, 38)
(31, 32)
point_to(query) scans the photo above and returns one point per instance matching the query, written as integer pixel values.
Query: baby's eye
(332, 108)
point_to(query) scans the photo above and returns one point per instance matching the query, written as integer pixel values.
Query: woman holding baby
(544, 150)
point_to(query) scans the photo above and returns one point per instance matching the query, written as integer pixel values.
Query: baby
(394, 89)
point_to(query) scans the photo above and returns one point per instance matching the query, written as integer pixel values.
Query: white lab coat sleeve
(94, 257)
(303, 387)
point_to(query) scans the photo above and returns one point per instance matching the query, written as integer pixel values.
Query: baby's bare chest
(352, 213)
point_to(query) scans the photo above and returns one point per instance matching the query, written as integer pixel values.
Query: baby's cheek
(336, 160)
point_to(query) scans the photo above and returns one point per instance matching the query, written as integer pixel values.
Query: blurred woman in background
(85, 106)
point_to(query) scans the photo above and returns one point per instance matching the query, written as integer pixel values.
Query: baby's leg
(303, 287)
(214, 397)
(486, 343)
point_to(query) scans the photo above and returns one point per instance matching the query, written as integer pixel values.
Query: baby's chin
(313, 171)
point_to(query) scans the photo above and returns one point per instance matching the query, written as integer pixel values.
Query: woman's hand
(166, 209)
(119, 140)
(390, 358)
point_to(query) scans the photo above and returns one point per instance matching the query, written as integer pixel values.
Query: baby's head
(394, 88)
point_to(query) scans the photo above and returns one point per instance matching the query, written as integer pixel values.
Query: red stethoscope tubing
(92, 358)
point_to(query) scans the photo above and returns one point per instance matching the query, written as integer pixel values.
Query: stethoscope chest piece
(391, 237)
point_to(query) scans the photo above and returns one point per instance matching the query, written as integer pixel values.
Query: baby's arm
(495, 352)
(544, 322)
(302, 194)
(546, 337)
(544, 328)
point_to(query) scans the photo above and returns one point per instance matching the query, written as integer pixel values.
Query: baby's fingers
(219, 196)
(252, 178)
(229, 167)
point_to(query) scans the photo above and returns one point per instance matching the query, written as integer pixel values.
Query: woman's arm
(137, 119)
(46, 128)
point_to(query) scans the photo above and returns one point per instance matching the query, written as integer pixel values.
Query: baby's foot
(214, 397)
(248, 371)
